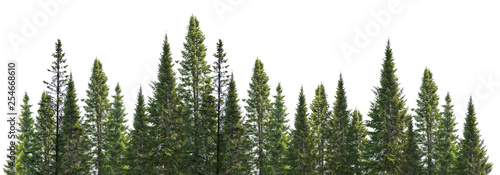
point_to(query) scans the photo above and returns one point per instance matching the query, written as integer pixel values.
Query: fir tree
(25, 162)
(356, 143)
(137, 154)
(446, 147)
(258, 106)
(115, 138)
(427, 118)
(208, 122)
(320, 115)
(97, 111)
(412, 154)
(388, 113)
(472, 158)
(45, 136)
(337, 148)
(300, 149)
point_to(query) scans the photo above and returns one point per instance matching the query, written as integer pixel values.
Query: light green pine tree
(337, 149)
(446, 147)
(137, 148)
(45, 136)
(115, 139)
(356, 144)
(320, 116)
(25, 162)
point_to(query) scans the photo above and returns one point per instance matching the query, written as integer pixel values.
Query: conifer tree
(97, 114)
(277, 130)
(472, 158)
(258, 107)
(446, 147)
(412, 154)
(137, 151)
(115, 139)
(25, 162)
(356, 143)
(388, 113)
(300, 149)
(320, 115)
(427, 120)
(45, 136)
(337, 148)
(208, 122)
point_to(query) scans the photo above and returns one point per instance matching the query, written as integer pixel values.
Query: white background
(300, 43)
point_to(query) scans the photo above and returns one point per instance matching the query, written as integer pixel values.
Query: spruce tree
(446, 147)
(137, 150)
(194, 77)
(337, 148)
(56, 88)
(300, 149)
(427, 120)
(472, 158)
(25, 162)
(388, 113)
(276, 133)
(115, 139)
(356, 143)
(320, 115)
(208, 122)
(258, 107)
(45, 136)
(412, 154)
(97, 111)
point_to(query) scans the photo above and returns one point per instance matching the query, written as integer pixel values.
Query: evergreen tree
(258, 106)
(221, 80)
(137, 151)
(208, 122)
(300, 149)
(320, 115)
(166, 124)
(412, 154)
(472, 158)
(45, 136)
(73, 157)
(56, 88)
(97, 111)
(427, 118)
(356, 142)
(276, 132)
(115, 139)
(194, 77)
(337, 148)
(446, 147)
(25, 162)
(388, 113)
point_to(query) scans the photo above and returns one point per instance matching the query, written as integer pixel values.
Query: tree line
(193, 124)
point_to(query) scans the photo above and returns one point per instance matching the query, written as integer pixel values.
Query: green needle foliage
(356, 143)
(446, 148)
(138, 152)
(337, 148)
(320, 116)
(45, 136)
(25, 162)
(412, 163)
(276, 133)
(115, 139)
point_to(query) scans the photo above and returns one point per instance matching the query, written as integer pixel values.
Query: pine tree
(194, 77)
(166, 123)
(412, 154)
(45, 136)
(472, 158)
(300, 149)
(137, 151)
(427, 118)
(388, 113)
(97, 111)
(320, 115)
(73, 157)
(258, 107)
(446, 147)
(115, 139)
(56, 87)
(276, 133)
(221, 80)
(356, 143)
(208, 122)
(337, 148)
(25, 162)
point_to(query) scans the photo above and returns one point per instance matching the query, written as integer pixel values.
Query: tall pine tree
(25, 162)
(446, 143)
(137, 150)
(356, 143)
(337, 148)
(300, 149)
(45, 136)
(320, 115)
(115, 138)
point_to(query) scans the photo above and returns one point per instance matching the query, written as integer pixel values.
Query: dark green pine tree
(233, 153)
(221, 80)
(472, 158)
(194, 77)
(97, 114)
(166, 130)
(208, 122)
(320, 116)
(356, 143)
(446, 148)
(276, 133)
(45, 136)
(57, 89)
(258, 108)
(73, 156)
(25, 162)
(337, 148)
(299, 157)
(388, 113)
(412, 163)
(427, 120)
(137, 148)
(115, 138)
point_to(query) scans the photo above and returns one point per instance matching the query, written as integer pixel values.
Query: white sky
(300, 43)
